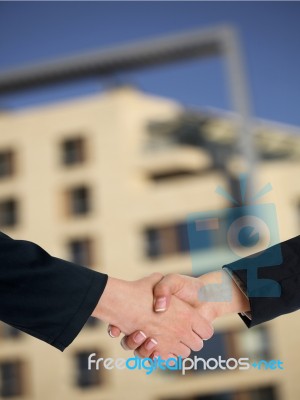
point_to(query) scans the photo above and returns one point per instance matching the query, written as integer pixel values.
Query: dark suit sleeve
(44, 296)
(286, 274)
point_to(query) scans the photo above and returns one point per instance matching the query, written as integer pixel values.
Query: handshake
(163, 316)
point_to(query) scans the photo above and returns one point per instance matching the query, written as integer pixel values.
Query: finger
(203, 328)
(172, 359)
(113, 331)
(163, 290)
(133, 341)
(178, 350)
(155, 355)
(169, 356)
(147, 348)
(193, 341)
(181, 350)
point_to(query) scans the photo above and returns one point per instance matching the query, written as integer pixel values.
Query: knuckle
(157, 275)
(171, 277)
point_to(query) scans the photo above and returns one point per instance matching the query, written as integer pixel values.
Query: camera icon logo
(248, 232)
(244, 236)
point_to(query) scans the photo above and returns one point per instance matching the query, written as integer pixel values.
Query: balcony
(175, 160)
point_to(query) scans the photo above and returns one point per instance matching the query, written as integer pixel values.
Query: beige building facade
(86, 180)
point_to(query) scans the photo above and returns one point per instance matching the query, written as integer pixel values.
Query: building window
(8, 331)
(86, 378)
(80, 251)
(256, 343)
(166, 240)
(73, 151)
(11, 382)
(6, 163)
(79, 200)
(182, 237)
(193, 235)
(176, 173)
(8, 213)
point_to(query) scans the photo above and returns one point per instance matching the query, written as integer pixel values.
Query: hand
(221, 294)
(187, 289)
(129, 306)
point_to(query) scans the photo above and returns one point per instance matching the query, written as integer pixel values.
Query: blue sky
(270, 32)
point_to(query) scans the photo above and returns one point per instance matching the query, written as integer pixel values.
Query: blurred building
(108, 181)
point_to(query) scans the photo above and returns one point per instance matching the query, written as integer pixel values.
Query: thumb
(163, 291)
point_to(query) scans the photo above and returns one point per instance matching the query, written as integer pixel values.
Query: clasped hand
(159, 316)
(163, 316)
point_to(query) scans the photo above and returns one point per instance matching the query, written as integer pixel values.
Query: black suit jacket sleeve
(287, 274)
(44, 296)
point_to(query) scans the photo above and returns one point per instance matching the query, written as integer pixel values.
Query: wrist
(210, 309)
(234, 301)
(112, 300)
